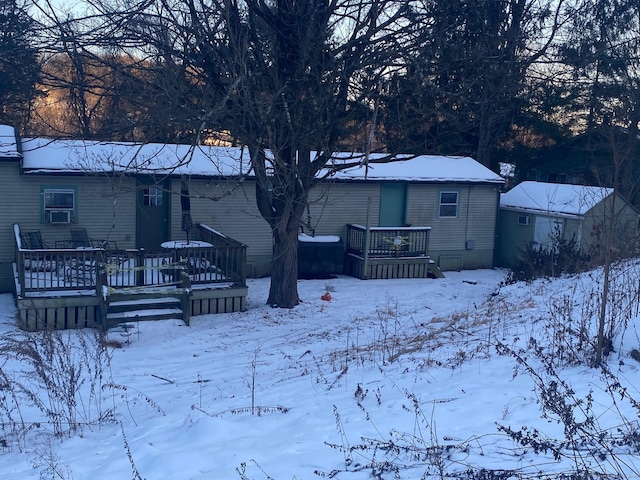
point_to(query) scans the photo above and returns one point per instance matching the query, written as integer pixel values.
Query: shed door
(152, 214)
(547, 230)
(393, 205)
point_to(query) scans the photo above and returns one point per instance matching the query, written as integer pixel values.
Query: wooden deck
(384, 253)
(92, 287)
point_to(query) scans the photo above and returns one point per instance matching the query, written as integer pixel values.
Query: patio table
(183, 257)
(182, 244)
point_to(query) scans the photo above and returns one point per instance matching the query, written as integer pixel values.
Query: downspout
(495, 229)
(466, 223)
(367, 241)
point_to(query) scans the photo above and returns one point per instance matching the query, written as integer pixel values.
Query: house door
(393, 204)
(546, 232)
(152, 213)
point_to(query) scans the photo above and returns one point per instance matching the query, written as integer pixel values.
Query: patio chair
(79, 238)
(83, 271)
(33, 241)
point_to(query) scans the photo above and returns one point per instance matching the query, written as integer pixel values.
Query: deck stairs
(435, 270)
(130, 305)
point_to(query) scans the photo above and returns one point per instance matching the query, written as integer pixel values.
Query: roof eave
(548, 213)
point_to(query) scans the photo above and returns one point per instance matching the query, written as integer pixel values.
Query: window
(524, 219)
(152, 196)
(448, 204)
(58, 204)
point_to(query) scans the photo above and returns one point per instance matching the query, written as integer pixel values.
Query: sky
(403, 378)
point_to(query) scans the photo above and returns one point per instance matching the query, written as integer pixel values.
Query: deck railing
(387, 242)
(87, 269)
(229, 255)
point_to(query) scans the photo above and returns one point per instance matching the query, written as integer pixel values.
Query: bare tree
(285, 77)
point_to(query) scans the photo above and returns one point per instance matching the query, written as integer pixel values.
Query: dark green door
(393, 205)
(152, 214)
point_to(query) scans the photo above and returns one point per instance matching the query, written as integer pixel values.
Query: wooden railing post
(101, 289)
(139, 267)
(185, 298)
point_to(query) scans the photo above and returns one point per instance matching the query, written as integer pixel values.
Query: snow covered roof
(75, 156)
(553, 198)
(425, 168)
(8, 144)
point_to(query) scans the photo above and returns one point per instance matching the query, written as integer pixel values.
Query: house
(130, 193)
(133, 195)
(537, 214)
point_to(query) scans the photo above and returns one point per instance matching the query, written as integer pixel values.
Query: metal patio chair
(33, 241)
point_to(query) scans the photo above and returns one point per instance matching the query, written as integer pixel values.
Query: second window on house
(59, 205)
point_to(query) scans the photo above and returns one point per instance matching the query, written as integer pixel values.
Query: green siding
(334, 205)
(97, 210)
(473, 227)
(512, 236)
(232, 212)
(107, 209)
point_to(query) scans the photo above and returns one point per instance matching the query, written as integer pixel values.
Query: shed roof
(554, 198)
(76, 156)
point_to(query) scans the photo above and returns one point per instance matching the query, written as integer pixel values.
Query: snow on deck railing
(362, 227)
(387, 242)
(207, 227)
(208, 231)
(16, 232)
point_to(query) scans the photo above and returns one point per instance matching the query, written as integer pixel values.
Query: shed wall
(587, 231)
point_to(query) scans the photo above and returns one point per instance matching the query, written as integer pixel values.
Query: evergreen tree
(19, 68)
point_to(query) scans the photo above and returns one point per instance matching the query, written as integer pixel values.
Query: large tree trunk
(283, 292)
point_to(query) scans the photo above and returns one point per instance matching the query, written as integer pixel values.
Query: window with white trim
(524, 219)
(58, 204)
(448, 206)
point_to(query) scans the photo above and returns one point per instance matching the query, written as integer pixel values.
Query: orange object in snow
(326, 297)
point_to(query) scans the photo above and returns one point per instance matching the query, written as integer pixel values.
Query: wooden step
(143, 304)
(115, 318)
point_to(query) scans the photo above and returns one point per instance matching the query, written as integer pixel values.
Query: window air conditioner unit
(59, 216)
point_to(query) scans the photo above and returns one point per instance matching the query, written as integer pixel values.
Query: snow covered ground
(394, 378)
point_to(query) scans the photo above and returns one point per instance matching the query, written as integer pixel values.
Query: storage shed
(536, 214)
